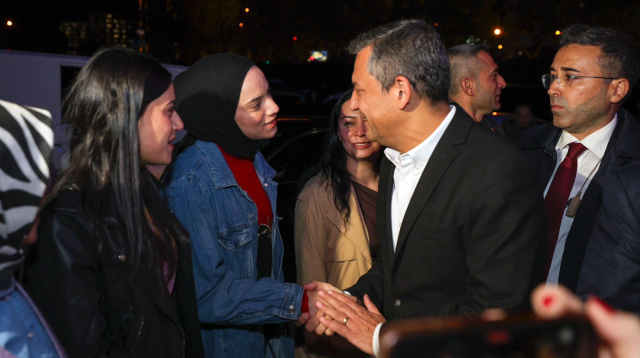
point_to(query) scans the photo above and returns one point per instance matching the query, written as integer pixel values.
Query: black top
(367, 201)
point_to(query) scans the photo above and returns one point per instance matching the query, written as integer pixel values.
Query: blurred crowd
(422, 205)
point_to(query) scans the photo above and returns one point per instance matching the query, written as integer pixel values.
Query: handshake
(331, 311)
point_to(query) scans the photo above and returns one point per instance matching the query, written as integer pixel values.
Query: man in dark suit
(460, 212)
(594, 248)
(476, 84)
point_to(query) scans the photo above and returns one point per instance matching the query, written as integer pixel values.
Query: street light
(246, 9)
(558, 32)
(499, 47)
(9, 23)
(241, 25)
(497, 31)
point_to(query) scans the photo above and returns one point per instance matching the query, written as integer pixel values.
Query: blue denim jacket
(23, 331)
(221, 219)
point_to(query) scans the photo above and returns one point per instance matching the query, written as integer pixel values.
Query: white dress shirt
(596, 144)
(409, 168)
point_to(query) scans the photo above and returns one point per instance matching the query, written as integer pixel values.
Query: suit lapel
(152, 291)
(146, 280)
(438, 164)
(383, 212)
(594, 191)
(442, 156)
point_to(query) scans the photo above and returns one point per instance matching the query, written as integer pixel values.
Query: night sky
(208, 26)
(196, 28)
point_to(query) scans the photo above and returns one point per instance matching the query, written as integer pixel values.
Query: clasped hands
(331, 311)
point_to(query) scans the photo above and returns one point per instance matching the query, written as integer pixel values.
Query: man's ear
(620, 89)
(468, 86)
(402, 91)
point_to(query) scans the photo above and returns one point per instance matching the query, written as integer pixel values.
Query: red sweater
(245, 174)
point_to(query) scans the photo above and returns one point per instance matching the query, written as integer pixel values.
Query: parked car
(298, 145)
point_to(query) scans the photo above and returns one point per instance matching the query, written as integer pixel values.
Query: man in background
(522, 120)
(476, 84)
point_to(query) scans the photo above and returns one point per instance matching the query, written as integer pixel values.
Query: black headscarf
(154, 87)
(207, 96)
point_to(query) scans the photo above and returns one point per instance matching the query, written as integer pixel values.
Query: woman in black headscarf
(221, 189)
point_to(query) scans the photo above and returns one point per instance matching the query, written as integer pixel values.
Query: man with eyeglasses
(589, 160)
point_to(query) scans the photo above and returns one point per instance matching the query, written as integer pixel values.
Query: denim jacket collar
(221, 175)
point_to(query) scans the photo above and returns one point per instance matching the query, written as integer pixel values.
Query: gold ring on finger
(346, 319)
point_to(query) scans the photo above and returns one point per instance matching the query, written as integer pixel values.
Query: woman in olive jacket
(111, 271)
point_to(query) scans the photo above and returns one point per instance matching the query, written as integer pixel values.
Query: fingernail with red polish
(547, 301)
(604, 304)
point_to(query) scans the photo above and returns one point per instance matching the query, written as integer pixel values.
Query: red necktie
(558, 195)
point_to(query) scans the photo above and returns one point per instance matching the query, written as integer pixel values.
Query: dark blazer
(611, 267)
(83, 287)
(473, 236)
(624, 148)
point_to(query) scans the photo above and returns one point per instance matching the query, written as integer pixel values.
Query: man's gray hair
(410, 48)
(464, 63)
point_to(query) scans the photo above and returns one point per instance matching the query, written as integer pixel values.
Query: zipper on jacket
(135, 345)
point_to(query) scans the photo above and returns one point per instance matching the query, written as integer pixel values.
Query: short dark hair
(463, 61)
(410, 48)
(621, 54)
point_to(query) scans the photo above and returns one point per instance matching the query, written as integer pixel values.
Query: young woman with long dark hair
(111, 271)
(335, 231)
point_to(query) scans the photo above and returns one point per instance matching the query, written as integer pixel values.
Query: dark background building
(280, 35)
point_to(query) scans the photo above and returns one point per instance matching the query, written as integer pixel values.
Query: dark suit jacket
(472, 235)
(611, 267)
(623, 149)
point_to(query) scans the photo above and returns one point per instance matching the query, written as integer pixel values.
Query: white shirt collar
(422, 152)
(596, 142)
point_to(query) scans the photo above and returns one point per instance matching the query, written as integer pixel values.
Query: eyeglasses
(548, 79)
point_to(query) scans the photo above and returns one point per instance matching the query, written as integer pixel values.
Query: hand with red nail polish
(618, 331)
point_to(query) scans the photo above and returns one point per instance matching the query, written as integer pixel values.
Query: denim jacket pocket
(238, 251)
(232, 240)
